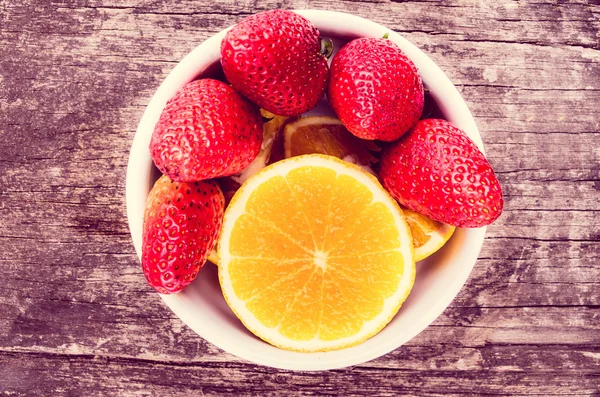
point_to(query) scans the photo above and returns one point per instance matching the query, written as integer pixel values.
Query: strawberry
(375, 89)
(181, 224)
(207, 130)
(438, 171)
(274, 58)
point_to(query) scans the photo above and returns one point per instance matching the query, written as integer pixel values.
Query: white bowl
(201, 305)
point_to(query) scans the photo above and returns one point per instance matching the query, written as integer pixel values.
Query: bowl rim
(139, 181)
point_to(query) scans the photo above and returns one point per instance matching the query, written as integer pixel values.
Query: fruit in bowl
(375, 89)
(316, 256)
(274, 58)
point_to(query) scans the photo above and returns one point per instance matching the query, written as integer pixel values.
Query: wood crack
(530, 42)
(533, 89)
(583, 240)
(146, 11)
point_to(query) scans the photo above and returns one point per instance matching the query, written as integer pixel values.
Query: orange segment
(274, 302)
(428, 235)
(337, 299)
(301, 322)
(253, 237)
(290, 222)
(314, 254)
(273, 272)
(369, 232)
(383, 265)
(314, 190)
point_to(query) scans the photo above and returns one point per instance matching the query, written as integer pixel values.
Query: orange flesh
(314, 255)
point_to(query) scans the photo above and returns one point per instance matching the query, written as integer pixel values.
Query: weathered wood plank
(539, 23)
(40, 374)
(487, 62)
(49, 325)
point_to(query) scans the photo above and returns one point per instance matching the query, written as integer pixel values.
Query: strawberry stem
(326, 47)
(386, 36)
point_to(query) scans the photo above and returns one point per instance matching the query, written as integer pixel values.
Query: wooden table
(76, 315)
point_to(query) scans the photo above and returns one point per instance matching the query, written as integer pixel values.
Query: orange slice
(428, 235)
(314, 254)
(213, 257)
(326, 135)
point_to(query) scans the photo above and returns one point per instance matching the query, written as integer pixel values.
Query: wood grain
(76, 317)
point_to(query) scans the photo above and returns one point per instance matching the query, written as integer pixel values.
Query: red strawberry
(274, 58)
(438, 171)
(375, 89)
(181, 224)
(207, 130)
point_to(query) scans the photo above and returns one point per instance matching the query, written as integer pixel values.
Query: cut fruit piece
(428, 235)
(271, 129)
(326, 135)
(314, 254)
(213, 257)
